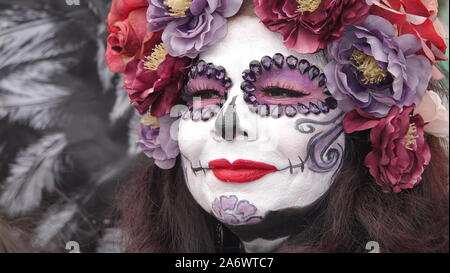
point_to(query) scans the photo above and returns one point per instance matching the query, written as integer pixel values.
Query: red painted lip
(241, 171)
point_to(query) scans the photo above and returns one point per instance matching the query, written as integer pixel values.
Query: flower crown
(381, 59)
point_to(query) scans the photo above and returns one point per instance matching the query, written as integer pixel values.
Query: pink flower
(434, 114)
(310, 25)
(399, 150)
(128, 39)
(158, 87)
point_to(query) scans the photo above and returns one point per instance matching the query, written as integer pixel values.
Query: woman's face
(239, 165)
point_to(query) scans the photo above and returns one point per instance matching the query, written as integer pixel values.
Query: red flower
(159, 88)
(310, 25)
(128, 39)
(400, 152)
(417, 17)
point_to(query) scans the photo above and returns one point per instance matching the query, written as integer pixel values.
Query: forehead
(249, 40)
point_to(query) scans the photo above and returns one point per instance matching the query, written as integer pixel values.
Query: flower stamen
(411, 136)
(158, 55)
(308, 5)
(149, 120)
(368, 66)
(177, 8)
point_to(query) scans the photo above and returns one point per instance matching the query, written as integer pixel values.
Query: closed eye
(207, 94)
(279, 93)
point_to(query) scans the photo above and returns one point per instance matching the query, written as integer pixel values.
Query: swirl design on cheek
(278, 85)
(205, 91)
(322, 157)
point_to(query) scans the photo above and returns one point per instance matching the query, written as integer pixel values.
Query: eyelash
(206, 79)
(271, 91)
(299, 70)
(267, 93)
(284, 95)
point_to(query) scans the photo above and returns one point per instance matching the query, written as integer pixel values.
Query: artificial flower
(434, 114)
(156, 81)
(310, 25)
(190, 26)
(128, 39)
(417, 17)
(156, 142)
(399, 150)
(373, 69)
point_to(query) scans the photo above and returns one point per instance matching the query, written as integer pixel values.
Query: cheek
(192, 136)
(283, 138)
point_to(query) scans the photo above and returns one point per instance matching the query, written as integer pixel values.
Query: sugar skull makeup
(267, 164)
(293, 85)
(208, 85)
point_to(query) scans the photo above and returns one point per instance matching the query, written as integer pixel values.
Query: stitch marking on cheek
(302, 163)
(193, 169)
(200, 164)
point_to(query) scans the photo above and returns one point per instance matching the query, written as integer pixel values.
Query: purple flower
(190, 26)
(372, 69)
(156, 142)
(229, 211)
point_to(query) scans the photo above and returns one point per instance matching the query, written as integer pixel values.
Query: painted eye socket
(207, 83)
(287, 83)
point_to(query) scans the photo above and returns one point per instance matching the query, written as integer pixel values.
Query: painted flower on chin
(231, 211)
(372, 69)
(310, 25)
(128, 38)
(190, 26)
(399, 150)
(155, 140)
(156, 81)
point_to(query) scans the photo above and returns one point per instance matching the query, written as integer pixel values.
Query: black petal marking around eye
(249, 75)
(264, 110)
(303, 66)
(201, 67)
(277, 111)
(266, 62)
(292, 62)
(313, 72)
(210, 70)
(278, 60)
(290, 111)
(256, 67)
(220, 73)
(314, 108)
(303, 109)
(248, 87)
(322, 80)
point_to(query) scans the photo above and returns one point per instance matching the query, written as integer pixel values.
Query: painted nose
(227, 123)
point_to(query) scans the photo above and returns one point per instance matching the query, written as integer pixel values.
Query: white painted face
(306, 150)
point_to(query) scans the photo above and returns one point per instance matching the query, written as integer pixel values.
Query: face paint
(292, 159)
(208, 85)
(277, 86)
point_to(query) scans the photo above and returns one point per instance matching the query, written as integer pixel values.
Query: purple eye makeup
(277, 86)
(209, 85)
(274, 86)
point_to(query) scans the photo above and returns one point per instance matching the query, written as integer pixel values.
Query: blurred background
(67, 130)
